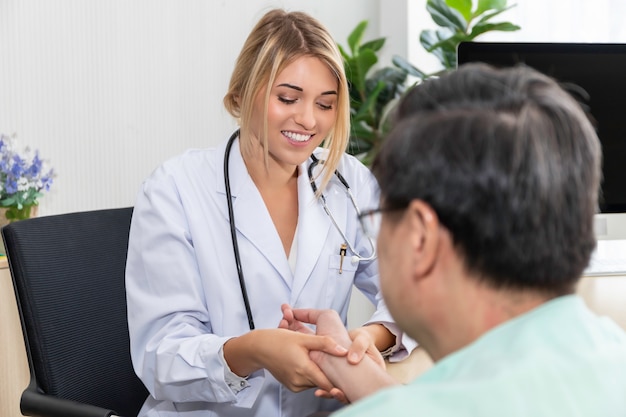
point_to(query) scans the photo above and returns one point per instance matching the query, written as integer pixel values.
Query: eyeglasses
(371, 219)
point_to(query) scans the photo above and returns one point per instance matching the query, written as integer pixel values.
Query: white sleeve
(173, 348)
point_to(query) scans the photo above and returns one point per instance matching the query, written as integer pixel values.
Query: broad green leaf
(352, 73)
(391, 76)
(375, 45)
(405, 65)
(344, 54)
(494, 13)
(360, 139)
(449, 59)
(444, 16)
(450, 43)
(362, 131)
(393, 80)
(366, 112)
(481, 28)
(484, 5)
(463, 6)
(7, 202)
(431, 40)
(354, 39)
(364, 61)
(368, 158)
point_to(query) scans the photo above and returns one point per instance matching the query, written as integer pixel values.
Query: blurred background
(107, 90)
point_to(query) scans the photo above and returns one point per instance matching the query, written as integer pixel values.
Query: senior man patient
(489, 183)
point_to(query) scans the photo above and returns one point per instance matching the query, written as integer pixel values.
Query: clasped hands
(338, 342)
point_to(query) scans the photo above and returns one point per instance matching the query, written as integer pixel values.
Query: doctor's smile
(297, 137)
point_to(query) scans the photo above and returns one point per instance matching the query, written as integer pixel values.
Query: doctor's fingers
(287, 313)
(314, 378)
(327, 317)
(295, 326)
(362, 344)
(289, 322)
(324, 344)
(296, 371)
(335, 393)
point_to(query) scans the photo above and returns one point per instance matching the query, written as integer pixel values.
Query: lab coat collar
(253, 221)
(313, 228)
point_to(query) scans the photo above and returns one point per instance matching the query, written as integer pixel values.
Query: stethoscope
(356, 257)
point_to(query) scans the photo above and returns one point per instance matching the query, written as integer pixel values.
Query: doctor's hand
(286, 356)
(363, 342)
(358, 341)
(284, 353)
(328, 323)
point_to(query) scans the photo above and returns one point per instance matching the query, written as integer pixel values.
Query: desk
(604, 294)
(14, 373)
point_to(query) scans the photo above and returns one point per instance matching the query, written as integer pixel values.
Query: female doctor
(220, 238)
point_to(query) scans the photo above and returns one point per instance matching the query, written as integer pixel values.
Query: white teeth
(296, 136)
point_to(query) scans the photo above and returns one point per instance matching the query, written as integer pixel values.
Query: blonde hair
(277, 40)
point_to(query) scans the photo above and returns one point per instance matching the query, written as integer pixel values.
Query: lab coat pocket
(341, 272)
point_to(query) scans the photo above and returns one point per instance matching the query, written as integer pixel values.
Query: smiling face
(301, 111)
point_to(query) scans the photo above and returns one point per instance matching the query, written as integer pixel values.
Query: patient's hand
(327, 322)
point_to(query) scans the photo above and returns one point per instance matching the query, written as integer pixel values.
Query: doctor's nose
(305, 117)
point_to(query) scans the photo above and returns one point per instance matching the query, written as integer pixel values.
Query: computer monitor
(600, 71)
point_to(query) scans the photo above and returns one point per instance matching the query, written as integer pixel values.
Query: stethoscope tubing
(322, 198)
(233, 230)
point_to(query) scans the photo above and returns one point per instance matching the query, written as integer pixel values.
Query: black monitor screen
(600, 70)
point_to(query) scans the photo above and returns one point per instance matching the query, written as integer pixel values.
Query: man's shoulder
(557, 360)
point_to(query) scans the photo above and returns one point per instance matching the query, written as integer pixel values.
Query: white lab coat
(184, 298)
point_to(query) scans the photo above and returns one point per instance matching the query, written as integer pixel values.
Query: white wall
(106, 90)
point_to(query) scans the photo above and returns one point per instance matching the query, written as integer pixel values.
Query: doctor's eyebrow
(295, 87)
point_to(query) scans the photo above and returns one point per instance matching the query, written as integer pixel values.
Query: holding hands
(359, 344)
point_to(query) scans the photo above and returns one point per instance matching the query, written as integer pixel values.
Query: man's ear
(424, 224)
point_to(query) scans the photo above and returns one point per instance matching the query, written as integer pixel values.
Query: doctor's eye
(286, 100)
(325, 106)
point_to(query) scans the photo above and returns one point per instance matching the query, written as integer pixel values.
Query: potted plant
(458, 21)
(23, 179)
(373, 92)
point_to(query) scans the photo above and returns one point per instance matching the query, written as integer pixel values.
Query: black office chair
(68, 274)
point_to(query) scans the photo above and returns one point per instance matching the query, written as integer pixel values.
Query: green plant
(371, 92)
(458, 21)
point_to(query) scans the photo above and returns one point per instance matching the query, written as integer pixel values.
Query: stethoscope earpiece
(355, 259)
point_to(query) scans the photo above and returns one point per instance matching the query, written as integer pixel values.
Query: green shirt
(559, 359)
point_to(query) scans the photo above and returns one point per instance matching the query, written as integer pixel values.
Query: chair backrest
(68, 274)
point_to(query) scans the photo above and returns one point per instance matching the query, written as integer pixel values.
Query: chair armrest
(41, 405)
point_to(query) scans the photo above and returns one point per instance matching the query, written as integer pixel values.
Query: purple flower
(22, 177)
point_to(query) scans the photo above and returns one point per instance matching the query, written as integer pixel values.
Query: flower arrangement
(22, 179)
